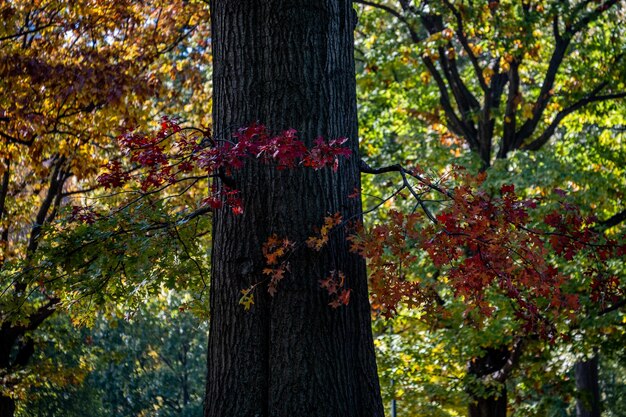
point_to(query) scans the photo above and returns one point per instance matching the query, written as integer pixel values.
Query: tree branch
(614, 220)
(455, 124)
(616, 306)
(508, 131)
(545, 93)
(562, 43)
(57, 178)
(591, 98)
(16, 140)
(464, 98)
(4, 188)
(590, 17)
(365, 168)
(460, 32)
(414, 36)
(502, 374)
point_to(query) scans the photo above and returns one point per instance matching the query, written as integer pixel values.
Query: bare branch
(460, 32)
(365, 168)
(508, 135)
(614, 220)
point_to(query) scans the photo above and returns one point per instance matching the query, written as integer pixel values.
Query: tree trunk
(15, 352)
(287, 64)
(491, 406)
(494, 404)
(588, 399)
(7, 406)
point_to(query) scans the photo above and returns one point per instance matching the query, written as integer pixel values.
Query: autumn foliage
(167, 155)
(478, 242)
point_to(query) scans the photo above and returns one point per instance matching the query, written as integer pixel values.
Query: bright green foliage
(422, 369)
(493, 77)
(149, 363)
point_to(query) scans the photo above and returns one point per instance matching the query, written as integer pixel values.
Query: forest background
(128, 338)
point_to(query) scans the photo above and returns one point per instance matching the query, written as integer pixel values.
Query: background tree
(149, 363)
(71, 73)
(499, 77)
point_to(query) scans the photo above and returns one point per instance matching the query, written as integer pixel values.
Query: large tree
(287, 64)
(496, 78)
(71, 75)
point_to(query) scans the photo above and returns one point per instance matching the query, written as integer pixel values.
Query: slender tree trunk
(495, 404)
(7, 341)
(588, 401)
(491, 406)
(287, 64)
(7, 406)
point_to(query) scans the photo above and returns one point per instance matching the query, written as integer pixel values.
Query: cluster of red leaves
(83, 214)
(389, 250)
(165, 156)
(480, 244)
(116, 177)
(286, 150)
(334, 284)
(149, 153)
(224, 196)
(485, 241)
(326, 154)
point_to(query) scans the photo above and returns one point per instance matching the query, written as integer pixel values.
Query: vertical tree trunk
(491, 406)
(495, 404)
(7, 406)
(588, 400)
(15, 352)
(287, 64)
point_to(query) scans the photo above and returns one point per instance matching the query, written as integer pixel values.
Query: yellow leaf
(247, 300)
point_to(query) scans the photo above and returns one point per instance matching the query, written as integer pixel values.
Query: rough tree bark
(287, 64)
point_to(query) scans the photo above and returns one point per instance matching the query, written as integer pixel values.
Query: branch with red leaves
(484, 243)
(479, 242)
